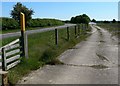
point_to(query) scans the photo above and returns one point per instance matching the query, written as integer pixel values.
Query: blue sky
(66, 10)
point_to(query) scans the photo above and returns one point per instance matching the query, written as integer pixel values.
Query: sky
(66, 10)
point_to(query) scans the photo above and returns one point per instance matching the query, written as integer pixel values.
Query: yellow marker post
(22, 18)
(23, 38)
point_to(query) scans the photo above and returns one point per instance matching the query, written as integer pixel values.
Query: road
(93, 61)
(7, 35)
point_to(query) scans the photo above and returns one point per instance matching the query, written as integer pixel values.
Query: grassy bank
(42, 50)
(114, 28)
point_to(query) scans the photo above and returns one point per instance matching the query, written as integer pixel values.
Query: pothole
(102, 57)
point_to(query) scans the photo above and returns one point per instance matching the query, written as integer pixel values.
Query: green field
(42, 50)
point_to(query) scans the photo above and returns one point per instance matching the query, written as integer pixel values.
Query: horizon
(100, 11)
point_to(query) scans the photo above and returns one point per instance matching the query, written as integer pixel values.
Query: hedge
(9, 23)
(44, 22)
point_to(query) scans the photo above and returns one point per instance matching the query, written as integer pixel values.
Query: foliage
(48, 55)
(44, 22)
(15, 13)
(93, 20)
(9, 23)
(106, 21)
(67, 21)
(80, 19)
(114, 21)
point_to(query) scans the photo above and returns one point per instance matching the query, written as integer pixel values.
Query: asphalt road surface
(7, 35)
(93, 61)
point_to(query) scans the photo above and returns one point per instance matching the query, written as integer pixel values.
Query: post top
(21, 13)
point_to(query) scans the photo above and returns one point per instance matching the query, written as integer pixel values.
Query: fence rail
(10, 55)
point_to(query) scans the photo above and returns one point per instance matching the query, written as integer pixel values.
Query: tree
(80, 19)
(15, 13)
(114, 21)
(93, 20)
(72, 20)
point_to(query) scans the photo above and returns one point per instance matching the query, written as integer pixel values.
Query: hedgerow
(10, 23)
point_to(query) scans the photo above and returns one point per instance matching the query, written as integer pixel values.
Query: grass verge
(42, 50)
(114, 28)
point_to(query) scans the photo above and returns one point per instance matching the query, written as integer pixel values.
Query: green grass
(114, 28)
(42, 50)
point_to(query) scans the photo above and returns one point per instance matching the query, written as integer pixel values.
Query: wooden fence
(10, 55)
(77, 31)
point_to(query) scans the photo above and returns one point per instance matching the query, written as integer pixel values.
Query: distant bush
(106, 21)
(10, 23)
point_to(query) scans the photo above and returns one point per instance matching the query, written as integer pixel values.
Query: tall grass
(114, 28)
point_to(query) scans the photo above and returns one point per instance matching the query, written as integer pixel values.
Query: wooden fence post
(23, 37)
(56, 36)
(68, 35)
(78, 29)
(83, 29)
(4, 68)
(75, 31)
(4, 65)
